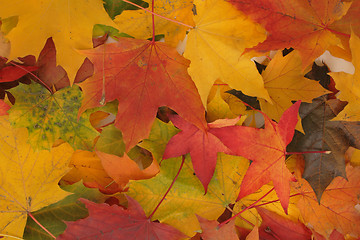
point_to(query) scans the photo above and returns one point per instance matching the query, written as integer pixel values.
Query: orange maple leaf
(143, 76)
(267, 148)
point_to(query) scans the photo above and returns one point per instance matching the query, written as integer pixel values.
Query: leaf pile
(194, 119)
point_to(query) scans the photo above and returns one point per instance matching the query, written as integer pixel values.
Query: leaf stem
(289, 153)
(248, 207)
(152, 12)
(163, 198)
(38, 223)
(153, 21)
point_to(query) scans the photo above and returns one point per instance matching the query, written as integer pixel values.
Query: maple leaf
(324, 135)
(158, 78)
(11, 73)
(267, 148)
(186, 197)
(69, 23)
(51, 116)
(139, 23)
(337, 209)
(113, 222)
(122, 169)
(215, 46)
(348, 85)
(28, 179)
(274, 226)
(52, 217)
(86, 166)
(110, 141)
(301, 24)
(210, 230)
(202, 146)
(217, 108)
(284, 81)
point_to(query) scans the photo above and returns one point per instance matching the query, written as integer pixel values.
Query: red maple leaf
(142, 75)
(203, 146)
(114, 222)
(9, 73)
(301, 24)
(267, 149)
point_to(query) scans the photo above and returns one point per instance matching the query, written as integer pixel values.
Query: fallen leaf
(139, 23)
(4, 107)
(114, 222)
(49, 117)
(348, 85)
(69, 23)
(181, 205)
(210, 230)
(336, 209)
(324, 135)
(158, 79)
(110, 141)
(122, 169)
(217, 108)
(254, 234)
(9, 72)
(215, 46)
(203, 147)
(267, 148)
(285, 82)
(300, 24)
(28, 179)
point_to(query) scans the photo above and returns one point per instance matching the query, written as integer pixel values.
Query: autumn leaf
(69, 23)
(4, 107)
(215, 45)
(114, 222)
(285, 82)
(86, 166)
(28, 179)
(324, 135)
(49, 117)
(202, 146)
(181, 205)
(337, 208)
(348, 85)
(300, 24)
(210, 230)
(267, 148)
(110, 141)
(217, 108)
(122, 169)
(158, 79)
(139, 23)
(11, 73)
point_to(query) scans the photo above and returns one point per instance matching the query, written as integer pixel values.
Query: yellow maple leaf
(28, 179)
(285, 82)
(217, 108)
(139, 23)
(215, 48)
(69, 23)
(349, 85)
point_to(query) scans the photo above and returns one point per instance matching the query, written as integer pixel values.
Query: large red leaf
(202, 146)
(302, 24)
(114, 222)
(143, 76)
(267, 148)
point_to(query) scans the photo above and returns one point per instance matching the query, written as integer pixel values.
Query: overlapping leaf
(210, 230)
(158, 78)
(28, 179)
(267, 148)
(324, 135)
(113, 222)
(337, 208)
(49, 117)
(69, 23)
(301, 24)
(349, 85)
(139, 23)
(182, 204)
(215, 45)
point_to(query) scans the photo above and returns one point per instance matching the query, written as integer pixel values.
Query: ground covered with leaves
(183, 119)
